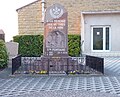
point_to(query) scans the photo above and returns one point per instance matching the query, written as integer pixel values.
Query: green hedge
(29, 45)
(3, 55)
(32, 45)
(74, 45)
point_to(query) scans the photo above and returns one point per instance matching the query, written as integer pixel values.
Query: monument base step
(57, 73)
(104, 54)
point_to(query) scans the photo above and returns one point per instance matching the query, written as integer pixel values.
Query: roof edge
(27, 5)
(100, 12)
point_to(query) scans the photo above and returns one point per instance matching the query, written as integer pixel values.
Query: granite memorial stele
(55, 43)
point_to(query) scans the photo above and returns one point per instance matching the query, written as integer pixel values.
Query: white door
(100, 38)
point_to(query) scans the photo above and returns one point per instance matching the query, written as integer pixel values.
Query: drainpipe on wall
(43, 9)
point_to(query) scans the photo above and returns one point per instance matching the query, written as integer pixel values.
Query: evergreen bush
(29, 45)
(3, 55)
(74, 45)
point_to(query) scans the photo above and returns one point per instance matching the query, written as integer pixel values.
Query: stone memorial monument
(55, 44)
(55, 35)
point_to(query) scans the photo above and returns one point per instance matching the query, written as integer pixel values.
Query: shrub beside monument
(74, 46)
(3, 55)
(29, 45)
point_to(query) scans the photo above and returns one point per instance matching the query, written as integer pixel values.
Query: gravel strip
(68, 93)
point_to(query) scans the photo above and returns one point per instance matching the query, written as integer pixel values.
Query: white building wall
(106, 19)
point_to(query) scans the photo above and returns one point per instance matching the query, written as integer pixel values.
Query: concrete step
(57, 73)
(104, 54)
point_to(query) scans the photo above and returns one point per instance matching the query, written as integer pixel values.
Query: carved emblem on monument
(56, 12)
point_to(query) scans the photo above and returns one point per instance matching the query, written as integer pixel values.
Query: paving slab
(22, 85)
(67, 93)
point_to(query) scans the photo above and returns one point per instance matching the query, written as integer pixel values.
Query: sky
(9, 17)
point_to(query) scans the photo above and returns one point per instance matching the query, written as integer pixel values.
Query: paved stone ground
(67, 93)
(22, 85)
(107, 85)
(112, 66)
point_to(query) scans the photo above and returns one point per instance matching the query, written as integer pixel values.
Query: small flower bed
(35, 72)
(73, 72)
(43, 72)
